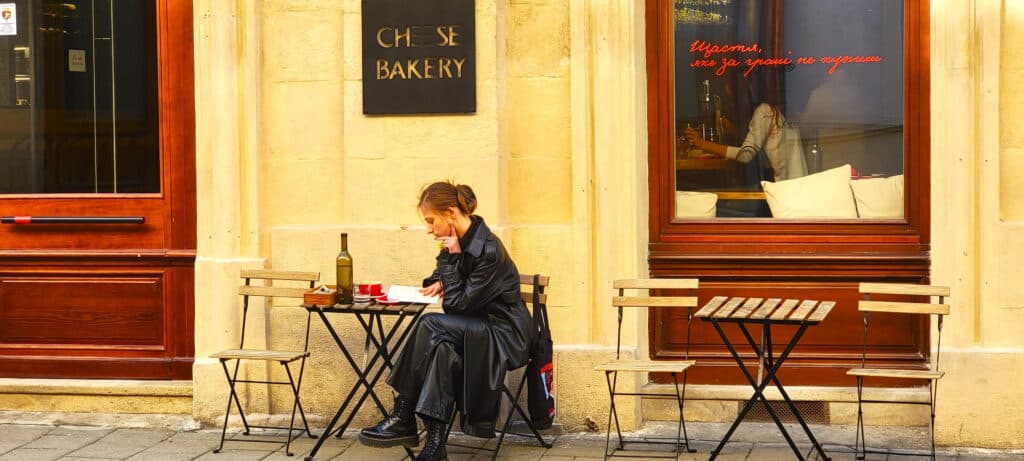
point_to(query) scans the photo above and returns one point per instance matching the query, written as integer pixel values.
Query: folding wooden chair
(929, 374)
(532, 290)
(285, 358)
(646, 366)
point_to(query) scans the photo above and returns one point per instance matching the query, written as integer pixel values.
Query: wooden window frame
(830, 242)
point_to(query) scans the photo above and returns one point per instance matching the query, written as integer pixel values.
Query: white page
(408, 294)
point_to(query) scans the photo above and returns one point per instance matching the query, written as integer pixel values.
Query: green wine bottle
(344, 272)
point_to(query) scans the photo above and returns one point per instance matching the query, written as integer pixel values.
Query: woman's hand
(693, 138)
(450, 242)
(434, 289)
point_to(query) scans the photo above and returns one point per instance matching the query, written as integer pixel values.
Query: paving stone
(183, 445)
(153, 456)
(73, 458)
(360, 452)
(34, 454)
(122, 443)
(990, 455)
(303, 445)
(16, 436)
(68, 438)
(234, 455)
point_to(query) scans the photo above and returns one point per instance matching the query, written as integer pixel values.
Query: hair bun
(466, 198)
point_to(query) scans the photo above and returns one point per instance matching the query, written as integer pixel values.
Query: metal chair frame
(927, 309)
(611, 376)
(284, 358)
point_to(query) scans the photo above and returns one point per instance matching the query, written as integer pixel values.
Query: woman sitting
(461, 355)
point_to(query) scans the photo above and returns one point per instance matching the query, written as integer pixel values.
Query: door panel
(148, 235)
(101, 108)
(46, 309)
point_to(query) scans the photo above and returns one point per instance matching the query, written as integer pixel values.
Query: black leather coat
(483, 282)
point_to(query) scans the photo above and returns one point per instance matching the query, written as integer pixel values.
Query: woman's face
(439, 223)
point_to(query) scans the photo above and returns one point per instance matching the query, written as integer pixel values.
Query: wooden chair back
(528, 288)
(939, 309)
(268, 290)
(641, 297)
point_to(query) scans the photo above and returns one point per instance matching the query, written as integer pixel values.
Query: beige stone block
(99, 396)
(303, 120)
(582, 393)
(547, 250)
(387, 191)
(353, 46)
(448, 141)
(543, 190)
(301, 191)
(303, 46)
(275, 6)
(980, 403)
(717, 411)
(1012, 49)
(1010, 113)
(537, 43)
(210, 395)
(391, 254)
(879, 414)
(539, 122)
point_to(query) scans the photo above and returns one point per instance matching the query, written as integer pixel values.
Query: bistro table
(370, 317)
(765, 312)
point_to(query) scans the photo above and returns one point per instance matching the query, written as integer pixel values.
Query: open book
(407, 294)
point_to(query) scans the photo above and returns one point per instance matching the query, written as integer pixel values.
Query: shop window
(787, 109)
(769, 118)
(79, 97)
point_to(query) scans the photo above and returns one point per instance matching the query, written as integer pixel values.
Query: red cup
(371, 288)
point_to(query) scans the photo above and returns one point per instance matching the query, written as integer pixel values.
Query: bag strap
(540, 310)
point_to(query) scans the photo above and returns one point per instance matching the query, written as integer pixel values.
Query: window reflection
(78, 97)
(789, 109)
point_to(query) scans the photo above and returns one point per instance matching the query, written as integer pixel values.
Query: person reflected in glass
(768, 133)
(460, 355)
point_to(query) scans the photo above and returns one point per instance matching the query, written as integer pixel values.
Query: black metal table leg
(773, 365)
(380, 352)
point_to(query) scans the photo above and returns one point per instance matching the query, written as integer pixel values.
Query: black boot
(434, 448)
(397, 429)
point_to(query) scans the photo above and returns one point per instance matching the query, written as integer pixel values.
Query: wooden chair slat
(904, 289)
(821, 312)
(260, 354)
(528, 297)
(747, 307)
(280, 275)
(730, 305)
(889, 373)
(666, 284)
(783, 311)
(903, 308)
(277, 292)
(650, 366)
(527, 279)
(654, 301)
(766, 308)
(711, 306)
(804, 310)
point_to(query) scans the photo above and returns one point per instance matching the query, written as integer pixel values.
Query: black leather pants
(429, 369)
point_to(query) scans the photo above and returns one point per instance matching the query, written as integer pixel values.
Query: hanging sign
(419, 56)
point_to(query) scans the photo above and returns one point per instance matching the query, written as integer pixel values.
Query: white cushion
(691, 204)
(879, 197)
(821, 195)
